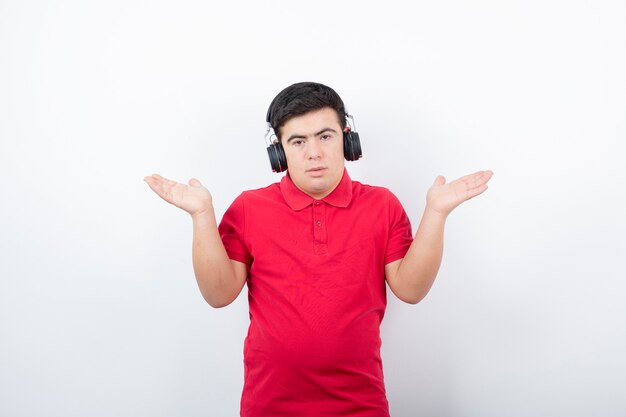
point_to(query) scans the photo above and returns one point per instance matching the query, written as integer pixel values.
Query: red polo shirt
(316, 290)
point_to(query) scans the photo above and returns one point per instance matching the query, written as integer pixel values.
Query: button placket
(319, 226)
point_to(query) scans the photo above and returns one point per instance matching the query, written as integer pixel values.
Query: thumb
(194, 182)
(440, 180)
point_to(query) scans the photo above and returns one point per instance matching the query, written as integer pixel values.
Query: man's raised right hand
(193, 198)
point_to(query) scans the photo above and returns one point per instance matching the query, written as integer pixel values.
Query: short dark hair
(301, 98)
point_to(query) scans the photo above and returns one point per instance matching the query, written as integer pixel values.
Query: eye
(326, 137)
(297, 142)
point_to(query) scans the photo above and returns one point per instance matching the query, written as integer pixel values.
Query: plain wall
(100, 314)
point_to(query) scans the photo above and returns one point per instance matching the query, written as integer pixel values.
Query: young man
(315, 250)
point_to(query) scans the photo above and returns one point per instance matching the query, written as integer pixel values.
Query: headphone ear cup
(278, 160)
(281, 157)
(352, 146)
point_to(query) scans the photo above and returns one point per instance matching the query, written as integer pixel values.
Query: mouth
(316, 172)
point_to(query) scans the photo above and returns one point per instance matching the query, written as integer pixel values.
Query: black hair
(301, 98)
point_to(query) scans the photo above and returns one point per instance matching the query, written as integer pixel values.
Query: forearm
(418, 269)
(213, 269)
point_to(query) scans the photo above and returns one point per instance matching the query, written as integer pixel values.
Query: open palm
(193, 198)
(443, 197)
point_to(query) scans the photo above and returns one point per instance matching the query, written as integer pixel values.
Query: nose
(314, 149)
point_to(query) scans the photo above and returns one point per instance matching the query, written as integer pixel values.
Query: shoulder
(374, 193)
(271, 191)
(254, 201)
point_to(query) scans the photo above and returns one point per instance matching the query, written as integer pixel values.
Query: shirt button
(317, 203)
(318, 223)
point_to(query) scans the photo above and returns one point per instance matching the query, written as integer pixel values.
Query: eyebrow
(298, 136)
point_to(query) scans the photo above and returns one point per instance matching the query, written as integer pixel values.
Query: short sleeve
(232, 230)
(400, 235)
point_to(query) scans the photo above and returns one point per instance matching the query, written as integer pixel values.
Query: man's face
(313, 144)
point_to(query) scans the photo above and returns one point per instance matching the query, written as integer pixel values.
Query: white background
(100, 314)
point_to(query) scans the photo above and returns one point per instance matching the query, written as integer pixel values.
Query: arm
(411, 278)
(220, 279)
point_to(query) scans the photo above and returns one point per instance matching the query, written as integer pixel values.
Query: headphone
(278, 160)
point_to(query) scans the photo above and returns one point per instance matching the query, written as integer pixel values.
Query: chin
(317, 189)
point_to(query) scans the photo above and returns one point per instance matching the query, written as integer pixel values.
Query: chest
(320, 243)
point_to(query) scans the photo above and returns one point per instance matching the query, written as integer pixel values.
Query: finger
(477, 178)
(477, 191)
(157, 186)
(160, 186)
(483, 178)
(440, 180)
(152, 182)
(158, 189)
(164, 180)
(153, 179)
(465, 178)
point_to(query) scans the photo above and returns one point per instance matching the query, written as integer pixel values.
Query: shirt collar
(297, 200)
